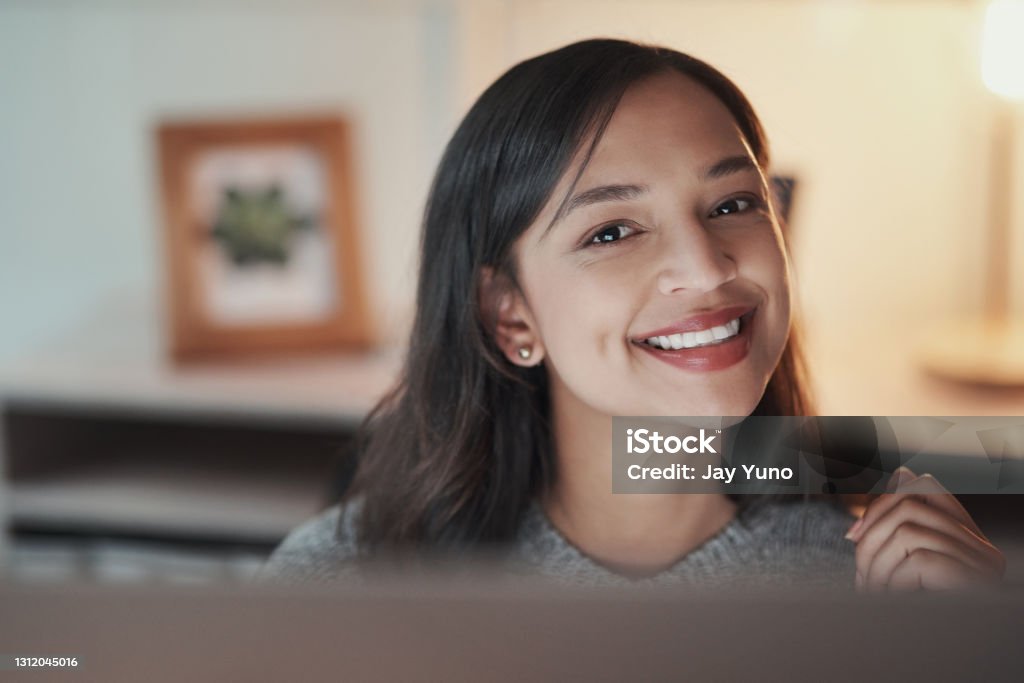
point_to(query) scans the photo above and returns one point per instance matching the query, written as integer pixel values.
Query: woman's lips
(716, 356)
(705, 321)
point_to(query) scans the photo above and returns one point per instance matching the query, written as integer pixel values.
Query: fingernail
(899, 477)
(855, 528)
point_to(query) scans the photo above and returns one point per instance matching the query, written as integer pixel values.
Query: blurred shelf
(101, 434)
(144, 497)
(115, 361)
(335, 389)
(58, 558)
(156, 477)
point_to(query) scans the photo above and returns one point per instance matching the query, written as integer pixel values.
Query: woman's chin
(739, 407)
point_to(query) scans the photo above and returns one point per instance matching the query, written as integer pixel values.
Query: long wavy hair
(454, 454)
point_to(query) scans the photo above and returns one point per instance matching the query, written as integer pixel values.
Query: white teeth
(689, 340)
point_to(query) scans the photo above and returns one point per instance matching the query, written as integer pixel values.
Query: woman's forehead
(665, 118)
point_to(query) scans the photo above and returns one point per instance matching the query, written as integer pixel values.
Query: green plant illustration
(256, 226)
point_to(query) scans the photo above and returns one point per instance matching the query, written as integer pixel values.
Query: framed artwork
(262, 244)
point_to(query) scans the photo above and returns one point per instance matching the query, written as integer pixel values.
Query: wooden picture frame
(261, 238)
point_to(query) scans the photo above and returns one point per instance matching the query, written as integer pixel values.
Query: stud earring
(525, 352)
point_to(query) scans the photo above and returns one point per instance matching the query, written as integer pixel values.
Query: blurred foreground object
(494, 630)
(990, 351)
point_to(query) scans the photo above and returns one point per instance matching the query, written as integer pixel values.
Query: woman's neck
(632, 534)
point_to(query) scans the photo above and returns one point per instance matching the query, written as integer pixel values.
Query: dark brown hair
(457, 450)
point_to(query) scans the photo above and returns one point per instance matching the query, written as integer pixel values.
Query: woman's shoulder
(322, 548)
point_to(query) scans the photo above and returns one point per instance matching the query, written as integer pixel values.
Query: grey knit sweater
(770, 544)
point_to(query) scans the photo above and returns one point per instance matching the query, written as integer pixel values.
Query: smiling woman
(691, 247)
(599, 240)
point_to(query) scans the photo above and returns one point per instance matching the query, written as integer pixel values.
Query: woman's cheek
(578, 334)
(585, 335)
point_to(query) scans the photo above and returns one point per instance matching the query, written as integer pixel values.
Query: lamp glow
(1002, 48)
(989, 350)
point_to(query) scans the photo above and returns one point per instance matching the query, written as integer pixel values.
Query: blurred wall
(84, 83)
(875, 106)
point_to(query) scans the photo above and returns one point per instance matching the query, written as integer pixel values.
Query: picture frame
(261, 239)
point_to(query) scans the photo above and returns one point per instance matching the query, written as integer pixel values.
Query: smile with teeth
(692, 340)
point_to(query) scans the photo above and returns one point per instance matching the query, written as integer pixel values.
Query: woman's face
(661, 288)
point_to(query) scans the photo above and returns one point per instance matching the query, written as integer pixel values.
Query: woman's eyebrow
(728, 166)
(596, 195)
(604, 193)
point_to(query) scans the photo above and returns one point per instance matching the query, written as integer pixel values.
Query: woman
(600, 240)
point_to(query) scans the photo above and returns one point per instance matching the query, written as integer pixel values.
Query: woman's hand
(919, 536)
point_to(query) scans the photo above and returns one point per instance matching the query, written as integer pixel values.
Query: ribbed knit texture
(769, 544)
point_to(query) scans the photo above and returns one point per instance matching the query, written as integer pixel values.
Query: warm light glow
(1002, 48)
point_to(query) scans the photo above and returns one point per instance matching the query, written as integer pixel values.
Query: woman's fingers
(926, 488)
(921, 519)
(932, 570)
(911, 537)
(912, 510)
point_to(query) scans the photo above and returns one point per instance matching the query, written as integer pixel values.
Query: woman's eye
(733, 206)
(612, 233)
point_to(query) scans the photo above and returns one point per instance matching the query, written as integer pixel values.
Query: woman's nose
(695, 261)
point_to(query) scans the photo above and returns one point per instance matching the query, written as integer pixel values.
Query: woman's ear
(508, 319)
